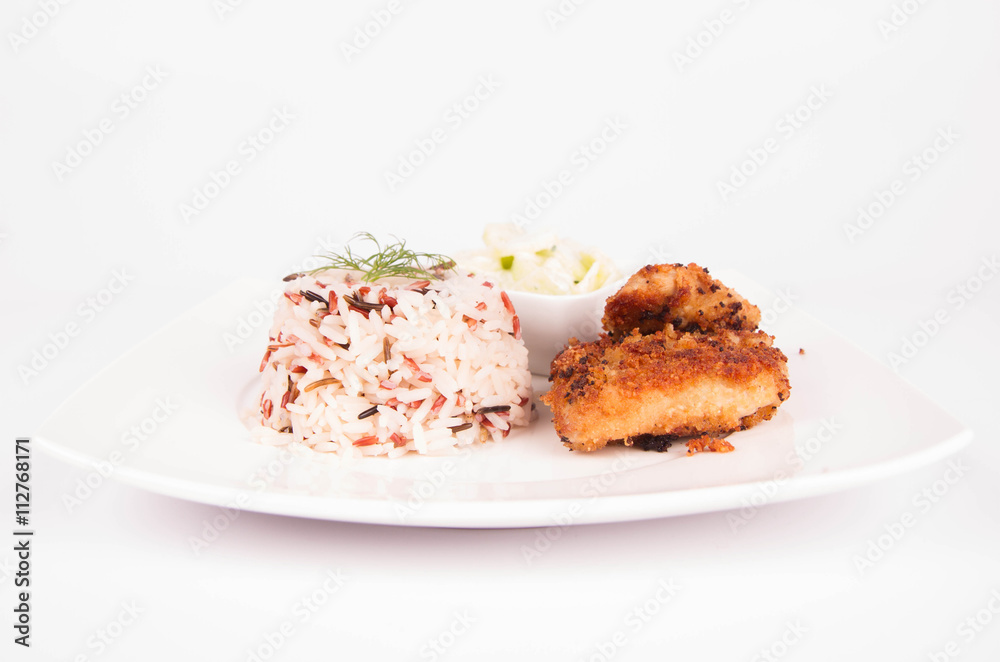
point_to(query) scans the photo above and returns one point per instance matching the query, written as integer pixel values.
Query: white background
(653, 195)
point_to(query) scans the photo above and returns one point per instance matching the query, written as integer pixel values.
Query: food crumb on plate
(708, 444)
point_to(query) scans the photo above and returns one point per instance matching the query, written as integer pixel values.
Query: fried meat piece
(647, 389)
(685, 297)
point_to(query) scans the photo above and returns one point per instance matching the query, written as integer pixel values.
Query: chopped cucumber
(544, 263)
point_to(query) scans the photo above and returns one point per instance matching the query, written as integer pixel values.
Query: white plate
(166, 417)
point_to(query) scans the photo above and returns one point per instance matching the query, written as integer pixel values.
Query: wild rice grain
(322, 382)
(312, 296)
(494, 409)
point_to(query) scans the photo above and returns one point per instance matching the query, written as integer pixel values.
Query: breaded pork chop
(645, 389)
(683, 296)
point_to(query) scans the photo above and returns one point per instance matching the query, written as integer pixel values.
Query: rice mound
(386, 368)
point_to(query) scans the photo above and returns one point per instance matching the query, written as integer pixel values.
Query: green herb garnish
(390, 260)
(507, 261)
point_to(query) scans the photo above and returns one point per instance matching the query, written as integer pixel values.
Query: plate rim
(451, 514)
(489, 514)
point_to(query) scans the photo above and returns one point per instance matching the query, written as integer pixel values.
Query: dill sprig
(393, 259)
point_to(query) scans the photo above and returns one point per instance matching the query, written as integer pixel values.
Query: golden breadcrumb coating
(685, 297)
(682, 356)
(646, 390)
